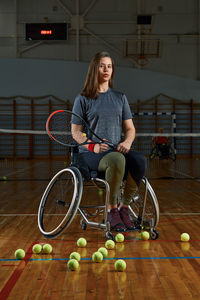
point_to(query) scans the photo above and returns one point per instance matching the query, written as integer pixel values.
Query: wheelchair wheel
(60, 202)
(151, 213)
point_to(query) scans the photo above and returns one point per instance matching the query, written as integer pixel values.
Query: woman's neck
(103, 87)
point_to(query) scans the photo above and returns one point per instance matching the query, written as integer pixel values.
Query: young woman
(108, 114)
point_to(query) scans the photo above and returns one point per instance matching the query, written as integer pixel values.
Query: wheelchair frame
(61, 201)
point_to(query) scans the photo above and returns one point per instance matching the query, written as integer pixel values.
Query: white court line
(162, 214)
(22, 170)
(180, 214)
(28, 215)
(184, 174)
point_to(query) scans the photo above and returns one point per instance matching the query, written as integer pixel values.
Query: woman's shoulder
(117, 93)
(80, 98)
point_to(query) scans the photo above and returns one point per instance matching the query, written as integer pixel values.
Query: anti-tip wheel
(109, 236)
(154, 234)
(83, 225)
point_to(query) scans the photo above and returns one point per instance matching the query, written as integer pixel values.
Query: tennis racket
(58, 127)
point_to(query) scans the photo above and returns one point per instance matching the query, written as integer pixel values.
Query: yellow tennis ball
(19, 253)
(185, 237)
(103, 251)
(37, 248)
(73, 264)
(75, 255)
(119, 238)
(145, 235)
(81, 242)
(47, 248)
(110, 244)
(120, 265)
(4, 178)
(97, 257)
(100, 192)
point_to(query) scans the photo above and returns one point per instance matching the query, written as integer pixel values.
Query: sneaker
(123, 212)
(116, 222)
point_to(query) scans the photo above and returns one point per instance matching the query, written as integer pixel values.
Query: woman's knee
(137, 159)
(113, 160)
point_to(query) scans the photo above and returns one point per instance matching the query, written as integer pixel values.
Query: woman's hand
(124, 147)
(99, 148)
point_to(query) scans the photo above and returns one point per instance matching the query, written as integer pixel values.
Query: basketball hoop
(142, 60)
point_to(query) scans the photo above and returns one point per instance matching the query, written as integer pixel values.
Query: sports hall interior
(155, 45)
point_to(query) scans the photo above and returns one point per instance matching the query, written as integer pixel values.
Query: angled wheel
(150, 215)
(60, 202)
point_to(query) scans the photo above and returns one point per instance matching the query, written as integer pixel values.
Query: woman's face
(105, 69)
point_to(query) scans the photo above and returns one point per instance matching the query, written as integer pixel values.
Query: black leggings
(135, 163)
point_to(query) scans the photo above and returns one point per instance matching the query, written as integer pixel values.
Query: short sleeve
(126, 113)
(79, 109)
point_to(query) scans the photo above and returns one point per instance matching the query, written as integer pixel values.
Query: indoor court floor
(160, 269)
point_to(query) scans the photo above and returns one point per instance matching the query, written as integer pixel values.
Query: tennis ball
(4, 178)
(97, 257)
(75, 255)
(110, 244)
(145, 235)
(103, 251)
(47, 248)
(81, 242)
(100, 192)
(37, 248)
(185, 237)
(119, 238)
(120, 265)
(19, 253)
(73, 264)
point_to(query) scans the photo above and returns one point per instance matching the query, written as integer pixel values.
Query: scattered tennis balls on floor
(81, 242)
(37, 248)
(47, 248)
(75, 255)
(119, 238)
(97, 257)
(103, 251)
(73, 265)
(145, 235)
(120, 265)
(185, 237)
(19, 253)
(110, 244)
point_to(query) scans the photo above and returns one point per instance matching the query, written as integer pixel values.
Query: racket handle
(111, 145)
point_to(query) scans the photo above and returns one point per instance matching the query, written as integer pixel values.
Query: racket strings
(60, 128)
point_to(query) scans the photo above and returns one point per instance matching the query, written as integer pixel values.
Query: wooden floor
(165, 268)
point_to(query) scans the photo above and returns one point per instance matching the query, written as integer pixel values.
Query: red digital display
(46, 32)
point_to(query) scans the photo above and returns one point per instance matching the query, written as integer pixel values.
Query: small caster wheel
(109, 236)
(154, 234)
(83, 225)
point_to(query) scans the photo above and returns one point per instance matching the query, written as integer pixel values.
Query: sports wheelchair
(61, 201)
(162, 151)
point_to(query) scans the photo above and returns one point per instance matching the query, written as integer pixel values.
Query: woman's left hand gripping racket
(58, 127)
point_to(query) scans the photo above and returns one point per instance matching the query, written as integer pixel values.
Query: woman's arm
(79, 137)
(129, 130)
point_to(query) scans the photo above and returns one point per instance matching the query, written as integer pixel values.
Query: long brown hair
(90, 89)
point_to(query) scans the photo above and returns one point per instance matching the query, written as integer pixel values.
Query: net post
(191, 127)
(14, 126)
(32, 127)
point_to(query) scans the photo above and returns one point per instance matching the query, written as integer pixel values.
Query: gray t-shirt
(104, 115)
